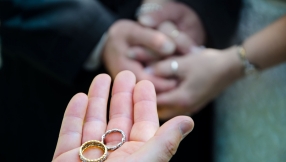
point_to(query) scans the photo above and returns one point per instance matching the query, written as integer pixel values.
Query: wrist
(234, 67)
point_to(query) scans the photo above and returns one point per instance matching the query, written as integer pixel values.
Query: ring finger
(183, 42)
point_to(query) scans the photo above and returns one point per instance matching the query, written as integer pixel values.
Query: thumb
(165, 142)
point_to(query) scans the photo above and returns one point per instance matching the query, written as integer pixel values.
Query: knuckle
(112, 30)
(117, 27)
(170, 148)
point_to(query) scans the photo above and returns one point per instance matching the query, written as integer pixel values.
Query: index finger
(152, 39)
(71, 129)
(161, 84)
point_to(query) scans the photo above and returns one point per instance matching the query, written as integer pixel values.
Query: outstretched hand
(132, 109)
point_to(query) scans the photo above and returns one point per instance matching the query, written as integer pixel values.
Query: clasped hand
(149, 46)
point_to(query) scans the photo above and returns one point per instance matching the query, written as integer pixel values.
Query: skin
(125, 34)
(133, 47)
(177, 16)
(205, 74)
(182, 20)
(202, 77)
(132, 109)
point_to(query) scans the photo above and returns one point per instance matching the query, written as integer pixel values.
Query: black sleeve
(219, 18)
(55, 36)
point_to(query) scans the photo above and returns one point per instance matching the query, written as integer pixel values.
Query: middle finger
(121, 106)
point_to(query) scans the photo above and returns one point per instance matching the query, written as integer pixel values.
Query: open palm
(132, 109)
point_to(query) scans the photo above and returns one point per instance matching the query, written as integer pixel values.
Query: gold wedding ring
(93, 143)
(100, 145)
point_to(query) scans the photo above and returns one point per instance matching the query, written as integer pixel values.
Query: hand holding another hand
(179, 22)
(124, 35)
(202, 77)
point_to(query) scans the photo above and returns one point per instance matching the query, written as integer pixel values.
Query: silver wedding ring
(147, 8)
(174, 66)
(119, 144)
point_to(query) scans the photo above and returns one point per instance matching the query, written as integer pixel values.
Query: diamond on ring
(174, 66)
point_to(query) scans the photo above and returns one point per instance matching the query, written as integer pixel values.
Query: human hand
(184, 45)
(132, 109)
(125, 34)
(185, 20)
(202, 77)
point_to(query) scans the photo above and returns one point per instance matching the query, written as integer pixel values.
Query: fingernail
(148, 70)
(168, 47)
(186, 127)
(131, 54)
(147, 21)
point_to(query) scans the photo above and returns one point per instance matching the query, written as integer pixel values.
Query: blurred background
(0, 49)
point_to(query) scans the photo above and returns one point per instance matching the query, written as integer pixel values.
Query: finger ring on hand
(147, 8)
(174, 66)
(119, 144)
(101, 145)
(93, 143)
(175, 33)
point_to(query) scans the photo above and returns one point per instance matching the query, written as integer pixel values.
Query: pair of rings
(100, 145)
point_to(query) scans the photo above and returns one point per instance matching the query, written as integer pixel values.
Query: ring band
(147, 8)
(174, 66)
(119, 144)
(93, 143)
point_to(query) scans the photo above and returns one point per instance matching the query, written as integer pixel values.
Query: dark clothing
(44, 46)
(219, 18)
